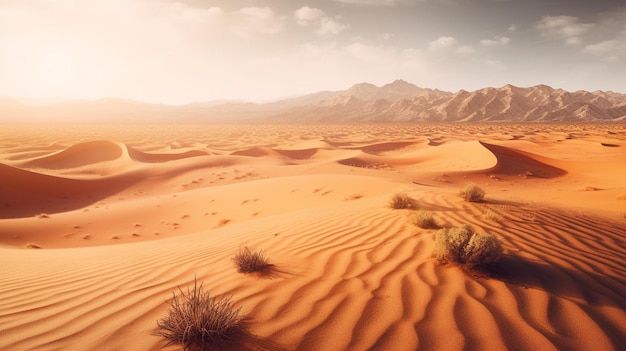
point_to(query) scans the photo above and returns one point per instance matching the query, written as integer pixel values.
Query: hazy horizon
(178, 52)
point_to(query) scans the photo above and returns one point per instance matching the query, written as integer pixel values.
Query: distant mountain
(398, 101)
(508, 103)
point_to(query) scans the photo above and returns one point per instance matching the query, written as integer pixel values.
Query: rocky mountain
(398, 101)
(508, 103)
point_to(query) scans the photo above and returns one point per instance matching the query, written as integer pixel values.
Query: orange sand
(124, 215)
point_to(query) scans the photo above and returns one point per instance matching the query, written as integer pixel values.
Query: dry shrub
(423, 219)
(248, 261)
(401, 201)
(198, 321)
(462, 245)
(473, 193)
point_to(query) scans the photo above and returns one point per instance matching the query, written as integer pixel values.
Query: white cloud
(610, 40)
(329, 26)
(512, 28)
(255, 20)
(326, 26)
(498, 41)
(611, 49)
(566, 28)
(606, 37)
(305, 15)
(441, 43)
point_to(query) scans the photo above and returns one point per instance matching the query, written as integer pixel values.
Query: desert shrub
(482, 249)
(423, 219)
(401, 201)
(198, 321)
(473, 193)
(248, 261)
(462, 245)
(450, 243)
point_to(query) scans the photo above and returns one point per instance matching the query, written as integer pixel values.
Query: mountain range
(398, 101)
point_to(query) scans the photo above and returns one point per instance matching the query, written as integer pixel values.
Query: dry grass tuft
(472, 193)
(402, 201)
(462, 245)
(32, 246)
(248, 261)
(198, 321)
(423, 219)
(354, 197)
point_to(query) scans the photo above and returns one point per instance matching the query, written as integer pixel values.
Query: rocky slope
(508, 103)
(398, 101)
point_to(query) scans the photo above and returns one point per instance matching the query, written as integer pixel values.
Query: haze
(177, 52)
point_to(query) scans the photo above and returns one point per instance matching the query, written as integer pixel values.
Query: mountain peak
(399, 83)
(363, 86)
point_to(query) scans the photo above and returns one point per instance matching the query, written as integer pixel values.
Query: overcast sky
(182, 51)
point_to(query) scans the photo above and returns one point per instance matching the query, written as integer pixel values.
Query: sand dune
(80, 155)
(515, 162)
(350, 273)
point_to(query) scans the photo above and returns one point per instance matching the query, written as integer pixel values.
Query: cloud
(498, 41)
(606, 37)
(441, 43)
(611, 49)
(326, 26)
(306, 15)
(610, 39)
(254, 20)
(566, 28)
(329, 26)
(512, 28)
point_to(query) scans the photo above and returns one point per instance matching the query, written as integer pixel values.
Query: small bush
(401, 201)
(423, 219)
(248, 261)
(199, 321)
(473, 193)
(462, 245)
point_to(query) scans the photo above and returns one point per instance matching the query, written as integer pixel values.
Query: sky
(183, 51)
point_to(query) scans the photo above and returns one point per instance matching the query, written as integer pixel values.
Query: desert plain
(100, 224)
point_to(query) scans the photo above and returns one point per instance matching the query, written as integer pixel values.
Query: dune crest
(515, 162)
(80, 155)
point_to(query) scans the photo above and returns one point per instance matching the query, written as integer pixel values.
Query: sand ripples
(349, 274)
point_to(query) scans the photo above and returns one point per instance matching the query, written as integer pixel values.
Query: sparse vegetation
(354, 197)
(490, 214)
(423, 219)
(473, 193)
(401, 201)
(198, 321)
(32, 246)
(462, 245)
(248, 261)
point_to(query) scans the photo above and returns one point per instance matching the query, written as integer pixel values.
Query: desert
(100, 224)
(338, 175)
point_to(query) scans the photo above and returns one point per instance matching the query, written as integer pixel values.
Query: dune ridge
(349, 273)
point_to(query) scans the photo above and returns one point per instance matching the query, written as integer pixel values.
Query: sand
(99, 225)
